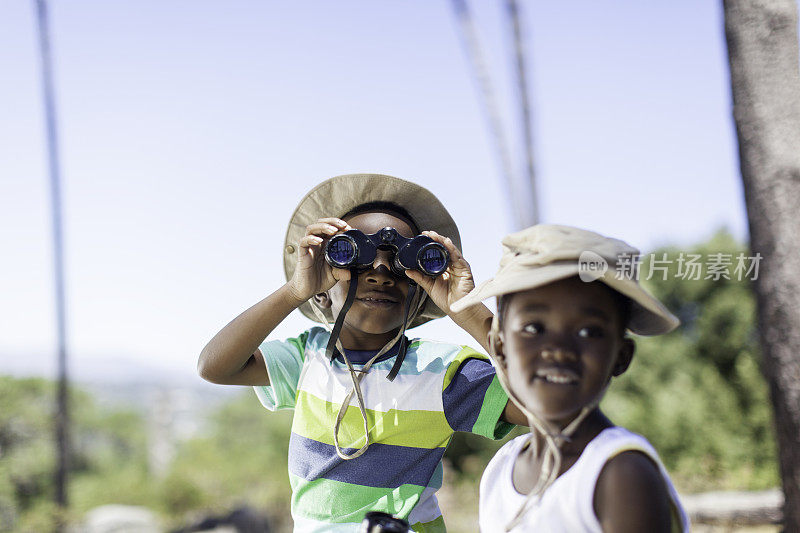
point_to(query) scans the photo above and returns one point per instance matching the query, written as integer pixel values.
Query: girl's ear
(323, 300)
(624, 357)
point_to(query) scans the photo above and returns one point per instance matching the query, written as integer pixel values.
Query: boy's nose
(381, 271)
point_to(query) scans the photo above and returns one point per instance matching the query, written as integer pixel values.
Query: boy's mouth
(378, 299)
(558, 375)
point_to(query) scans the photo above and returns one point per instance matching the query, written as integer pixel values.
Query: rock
(120, 519)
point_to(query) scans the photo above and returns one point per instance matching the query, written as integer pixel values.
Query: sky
(189, 130)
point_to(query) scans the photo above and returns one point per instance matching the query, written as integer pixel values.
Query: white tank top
(568, 504)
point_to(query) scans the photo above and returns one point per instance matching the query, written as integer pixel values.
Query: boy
(558, 339)
(372, 417)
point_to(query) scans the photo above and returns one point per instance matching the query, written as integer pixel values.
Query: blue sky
(189, 131)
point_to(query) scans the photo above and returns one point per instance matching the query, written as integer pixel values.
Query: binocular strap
(337, 327)
(411, 301)
(357, 375)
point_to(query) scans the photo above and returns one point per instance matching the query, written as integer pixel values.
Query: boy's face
(377, 311)
(560, 345)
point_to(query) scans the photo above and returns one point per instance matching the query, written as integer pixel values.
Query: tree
(107, 450)
(241, 460)
(698, 394)
(765, 79)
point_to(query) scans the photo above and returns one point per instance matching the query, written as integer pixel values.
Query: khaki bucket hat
(341, 194)
(546, 253)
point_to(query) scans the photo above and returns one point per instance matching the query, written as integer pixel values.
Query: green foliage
(26, 444)
(697, 394)
(107, 450)
(242, 460)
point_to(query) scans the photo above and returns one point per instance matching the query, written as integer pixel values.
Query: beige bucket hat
(341, 194)
(546, 253)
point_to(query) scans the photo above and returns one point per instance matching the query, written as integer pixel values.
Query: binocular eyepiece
(353, 248)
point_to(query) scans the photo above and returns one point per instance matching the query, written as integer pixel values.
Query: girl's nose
(558, 354)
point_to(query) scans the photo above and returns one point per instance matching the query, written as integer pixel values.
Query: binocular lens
(433, 260)
(353, 249)
(341, 251)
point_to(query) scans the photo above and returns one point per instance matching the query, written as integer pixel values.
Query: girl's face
(377, 312)
(560, 345)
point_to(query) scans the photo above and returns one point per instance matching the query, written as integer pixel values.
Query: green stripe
(465, 353)
(330, 501)
(316, 418)
(489, 423)
(434, 526)
(300, 343)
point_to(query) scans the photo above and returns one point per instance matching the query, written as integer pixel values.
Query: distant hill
(93, 369)
(126, 382)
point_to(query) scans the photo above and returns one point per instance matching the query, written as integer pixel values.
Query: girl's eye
(533, 328)
(591, 332)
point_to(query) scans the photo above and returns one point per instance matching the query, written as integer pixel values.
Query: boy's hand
(453, 284)
(313, 274)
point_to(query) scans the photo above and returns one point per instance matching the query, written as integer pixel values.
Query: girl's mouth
(558, 375)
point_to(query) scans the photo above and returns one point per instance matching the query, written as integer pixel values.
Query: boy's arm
(232, 357)
(475, 320)
(631, 496)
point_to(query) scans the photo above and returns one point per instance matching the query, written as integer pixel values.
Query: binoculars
(354, 249)
(380, 522)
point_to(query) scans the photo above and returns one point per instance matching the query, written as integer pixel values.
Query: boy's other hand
(313, 274)
(453, 284)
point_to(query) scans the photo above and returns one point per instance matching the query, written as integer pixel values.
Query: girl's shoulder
(619, 451)
(615, 439)
(630, 470)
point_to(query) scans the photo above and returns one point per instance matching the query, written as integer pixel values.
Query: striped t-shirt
(441, 388)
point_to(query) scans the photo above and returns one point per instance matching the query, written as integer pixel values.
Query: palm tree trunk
(763, 53)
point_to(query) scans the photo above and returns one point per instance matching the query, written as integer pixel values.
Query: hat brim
(648, 315)
(341, 194)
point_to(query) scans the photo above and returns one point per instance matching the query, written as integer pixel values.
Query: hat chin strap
(413, 300)
(553, 436)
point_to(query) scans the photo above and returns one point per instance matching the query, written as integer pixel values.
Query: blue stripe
(360, 357)
(463, 398)
(421, 356)
(382, 465)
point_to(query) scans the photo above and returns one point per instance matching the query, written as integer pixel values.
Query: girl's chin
(554, 415)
